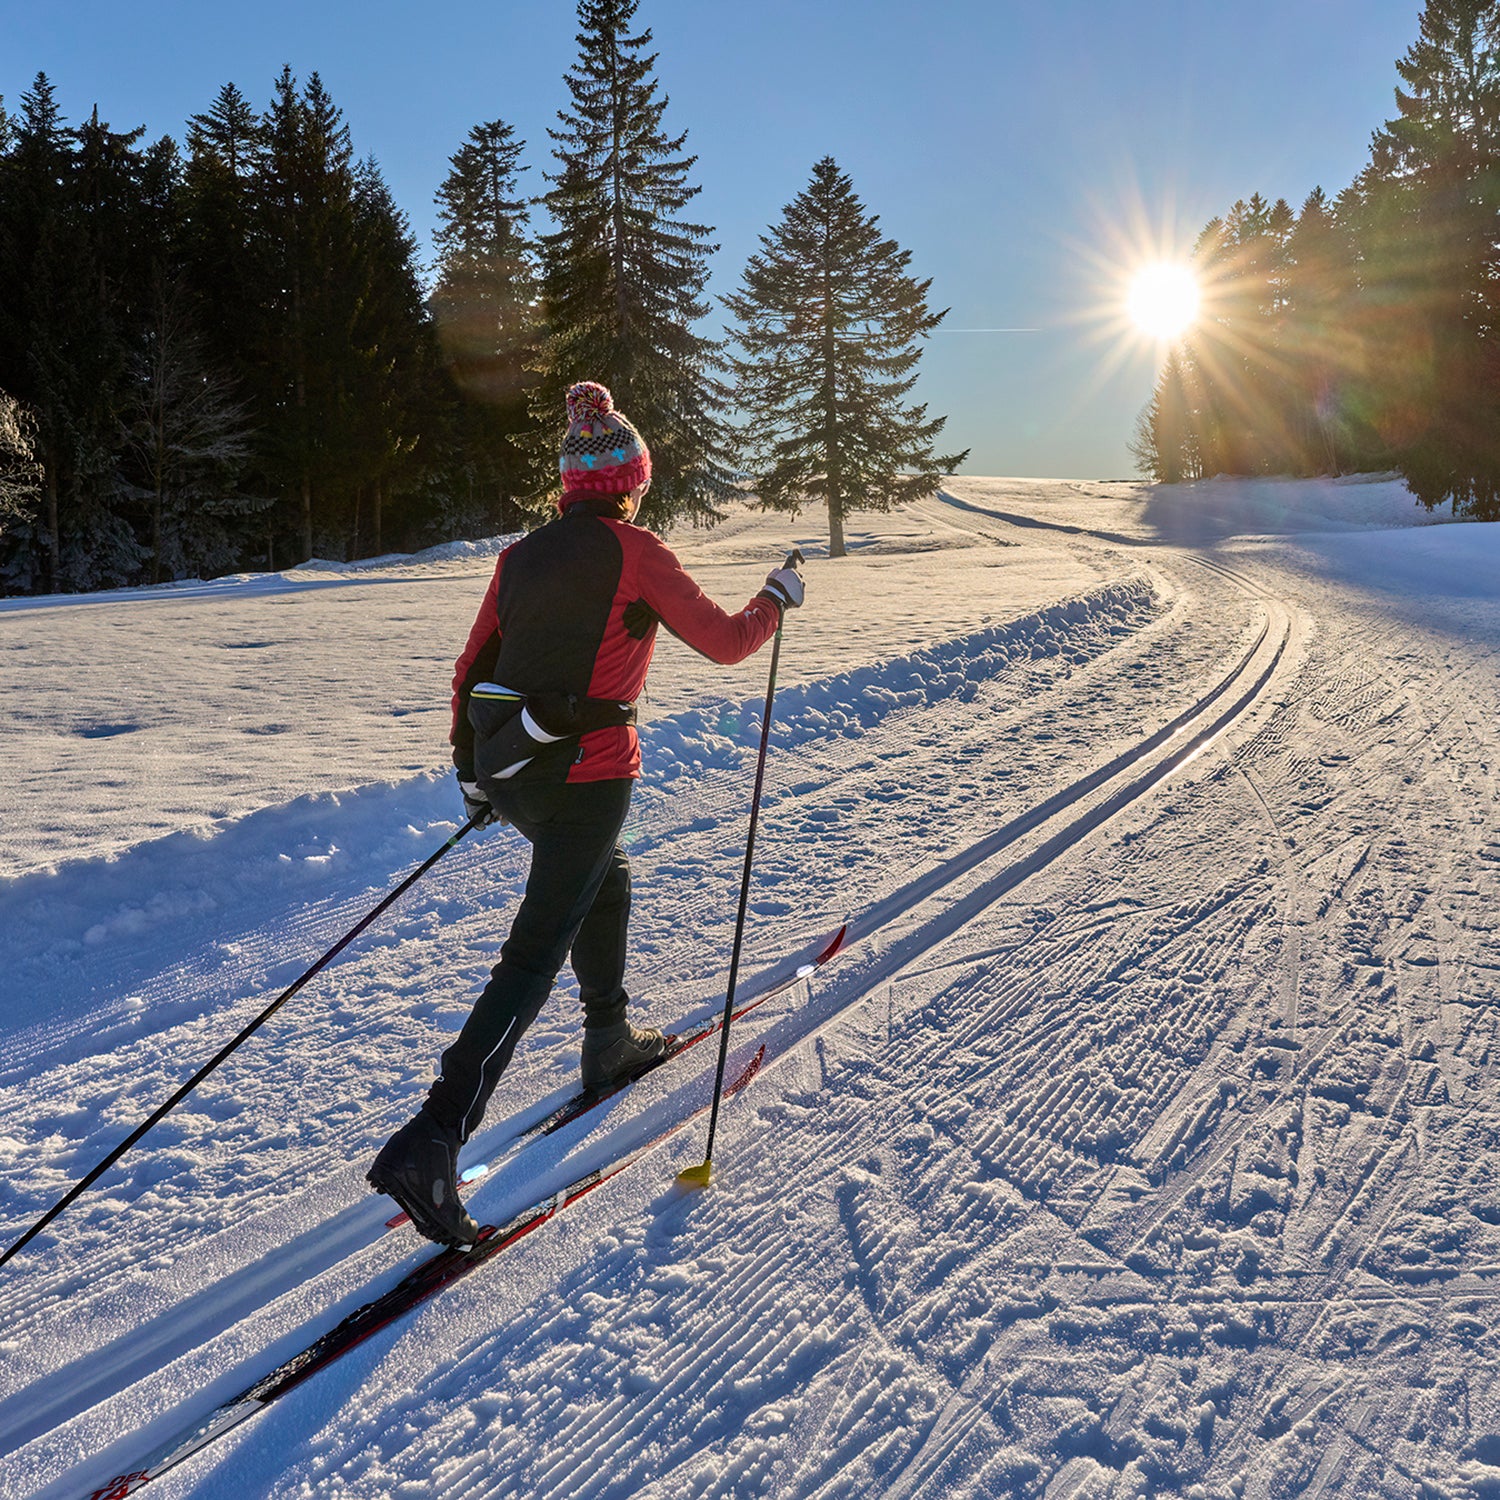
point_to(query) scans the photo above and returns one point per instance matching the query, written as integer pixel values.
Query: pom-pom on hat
(602, 454)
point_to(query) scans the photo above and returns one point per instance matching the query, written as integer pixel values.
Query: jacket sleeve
(693, 617)
(475, 664)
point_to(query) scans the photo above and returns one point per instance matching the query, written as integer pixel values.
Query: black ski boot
(418, 1167)
(613, 1054)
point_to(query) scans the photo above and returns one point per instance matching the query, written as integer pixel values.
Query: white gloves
(477, 806)
(784, 585)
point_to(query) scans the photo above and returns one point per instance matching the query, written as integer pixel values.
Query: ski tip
(695, 1177)
(834, 944)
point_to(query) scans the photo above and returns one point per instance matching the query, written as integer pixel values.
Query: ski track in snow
(1165, 1169)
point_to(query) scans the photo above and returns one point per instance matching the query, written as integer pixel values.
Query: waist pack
(512, 730)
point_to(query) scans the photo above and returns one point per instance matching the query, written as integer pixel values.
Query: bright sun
(1163, 300)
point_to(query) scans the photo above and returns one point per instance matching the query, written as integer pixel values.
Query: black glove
(783, 587)
(639, 617)
(477, 807)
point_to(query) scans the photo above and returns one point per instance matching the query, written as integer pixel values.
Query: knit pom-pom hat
(602, 454)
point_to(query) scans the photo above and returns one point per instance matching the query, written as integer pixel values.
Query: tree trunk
(156, 535)
(835, 527)
(54, 540)
(379, 503)
(307, 519)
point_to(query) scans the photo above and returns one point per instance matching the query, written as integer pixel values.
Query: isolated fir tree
(831, 325)
(1431, 210)
(623, 274)
(485, 307)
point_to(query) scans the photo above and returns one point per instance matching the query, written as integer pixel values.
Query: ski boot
(418, 1167)
(615, 1054)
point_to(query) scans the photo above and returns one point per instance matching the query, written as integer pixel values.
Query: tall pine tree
(304, 233)
(831, 325)
(218, 206)
(1165, 443)
(186, 443)
(394, 388)
(1432, 202)
(624, 274)
(485, 308)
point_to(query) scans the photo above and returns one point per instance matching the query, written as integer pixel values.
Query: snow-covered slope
(1144, 1141)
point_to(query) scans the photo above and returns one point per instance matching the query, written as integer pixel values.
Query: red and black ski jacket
(553, 621)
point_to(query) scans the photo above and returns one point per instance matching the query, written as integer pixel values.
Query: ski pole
(78, 1189)
(699, 1176)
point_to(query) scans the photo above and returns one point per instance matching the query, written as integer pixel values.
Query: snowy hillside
(1144, 1140)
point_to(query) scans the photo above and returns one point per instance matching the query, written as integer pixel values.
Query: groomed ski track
(908, 925)
(1091, 1201)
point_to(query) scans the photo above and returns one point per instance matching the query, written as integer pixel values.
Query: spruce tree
(187, 443)
(1165, 444)
(304, 234)
(485, 308)
(218, 204)
(623, 274)
(831, 325)
(1432, 202)
(1322, 344)
(1242, 262)
(394, 390)
(35, 270)
(72, 232)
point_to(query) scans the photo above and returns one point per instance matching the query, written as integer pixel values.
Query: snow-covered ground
(1144, 1142)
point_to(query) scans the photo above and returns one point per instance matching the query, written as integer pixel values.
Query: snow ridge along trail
(1144, 1144)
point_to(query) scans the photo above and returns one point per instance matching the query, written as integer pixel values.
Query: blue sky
(1025, 154)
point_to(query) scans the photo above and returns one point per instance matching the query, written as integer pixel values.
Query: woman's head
(602, 453)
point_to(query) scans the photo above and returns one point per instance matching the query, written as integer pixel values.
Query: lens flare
(1163, 300)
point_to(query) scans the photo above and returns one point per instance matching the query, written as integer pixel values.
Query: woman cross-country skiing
(544, 739)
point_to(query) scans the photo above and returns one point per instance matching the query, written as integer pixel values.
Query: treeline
(1362, 332)
(227, 354)
(218, 355)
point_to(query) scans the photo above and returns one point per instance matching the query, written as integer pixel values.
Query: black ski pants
(577, 903)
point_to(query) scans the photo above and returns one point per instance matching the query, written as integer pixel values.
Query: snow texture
(1143, 1143)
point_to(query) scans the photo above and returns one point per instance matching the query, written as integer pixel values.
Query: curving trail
(1141, 1143)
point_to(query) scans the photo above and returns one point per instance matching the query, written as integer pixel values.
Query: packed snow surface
(1144, 1141)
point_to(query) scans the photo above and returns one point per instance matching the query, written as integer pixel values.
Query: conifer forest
(227, 352)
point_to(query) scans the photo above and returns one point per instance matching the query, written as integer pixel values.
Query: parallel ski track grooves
(1192, 740)
(70, 1389)
(1193, 729)
(420, 1285)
